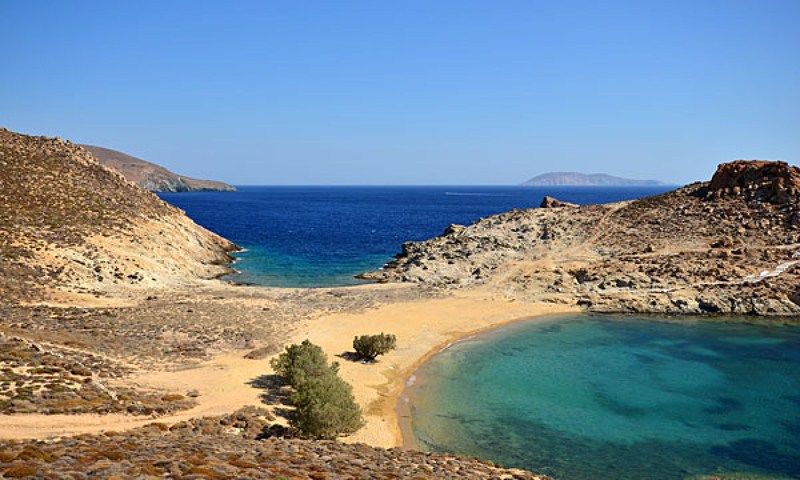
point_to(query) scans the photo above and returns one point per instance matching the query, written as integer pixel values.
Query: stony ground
(240, 445)
(731, 245)
(76, 360)
(38, 378)
(173, 328)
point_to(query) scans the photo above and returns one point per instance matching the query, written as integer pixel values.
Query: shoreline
(423, 328)
(424, 325)
(225, 382)
(402, 404)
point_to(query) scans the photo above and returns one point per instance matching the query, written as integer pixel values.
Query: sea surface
(323, 236)
(588, 397)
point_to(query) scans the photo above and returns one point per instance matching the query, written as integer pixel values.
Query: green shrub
(324, 403)
(300, 362)
(325, 407)
(370, 346)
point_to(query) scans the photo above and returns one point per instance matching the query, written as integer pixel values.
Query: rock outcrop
(551, 202)
(757, 180)
(731, 245)
(72, 227)
(151, 176)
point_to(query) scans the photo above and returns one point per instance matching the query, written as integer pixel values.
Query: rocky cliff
(151, 176)
(72, 227)
(725, 246)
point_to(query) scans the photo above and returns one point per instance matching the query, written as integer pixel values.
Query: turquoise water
(586, 397)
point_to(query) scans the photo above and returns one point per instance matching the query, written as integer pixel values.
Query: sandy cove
(225, 383)
(423, 328)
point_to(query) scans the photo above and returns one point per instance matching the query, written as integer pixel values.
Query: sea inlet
(624, 397)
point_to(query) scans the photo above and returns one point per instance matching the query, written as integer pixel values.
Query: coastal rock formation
(731, 245)
(151, 176)
(551, 202)
(758, 180)
(72, 228)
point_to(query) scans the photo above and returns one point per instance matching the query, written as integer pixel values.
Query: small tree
(325, 407)
(370, 346)
(301, 362)
(324, 403)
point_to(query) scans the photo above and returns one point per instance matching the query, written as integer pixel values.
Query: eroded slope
(71, 226)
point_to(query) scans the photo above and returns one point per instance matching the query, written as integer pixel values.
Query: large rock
(774, 182)
(552, 202)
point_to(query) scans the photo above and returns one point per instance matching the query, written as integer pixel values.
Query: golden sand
(226, 383)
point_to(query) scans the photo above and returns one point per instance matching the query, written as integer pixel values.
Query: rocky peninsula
(729, 245)
(153, 177)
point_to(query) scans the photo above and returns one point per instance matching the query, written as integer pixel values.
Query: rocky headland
(71, 228)
(730, 245)
(153, 177)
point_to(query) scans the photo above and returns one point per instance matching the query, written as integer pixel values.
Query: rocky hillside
(725, 246)
(151, 176)
(239, 445)
(585, 180)
(72, 227)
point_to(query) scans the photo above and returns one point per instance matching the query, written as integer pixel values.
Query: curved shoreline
(423, 328)
(402, 404)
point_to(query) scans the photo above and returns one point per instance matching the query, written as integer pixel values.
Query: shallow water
(322, 236)
(586, 397)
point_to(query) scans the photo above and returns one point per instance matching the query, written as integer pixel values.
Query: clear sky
(429, 92)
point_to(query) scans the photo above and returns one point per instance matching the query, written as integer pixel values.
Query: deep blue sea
(323, 236)
(590, 397)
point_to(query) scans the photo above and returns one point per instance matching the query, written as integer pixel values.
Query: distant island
(151, 176)
(583, 179)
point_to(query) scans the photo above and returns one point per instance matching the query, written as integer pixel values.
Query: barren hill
(728, 245)
(69, 225)
(583, 179)
(151, 176)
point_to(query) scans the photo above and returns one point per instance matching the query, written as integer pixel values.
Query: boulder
(453, 229)
(552, 202)
(760, 180)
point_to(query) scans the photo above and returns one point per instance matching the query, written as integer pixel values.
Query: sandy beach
(229, 381)
(423, 328)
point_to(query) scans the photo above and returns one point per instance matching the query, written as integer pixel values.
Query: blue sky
(409, 92)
